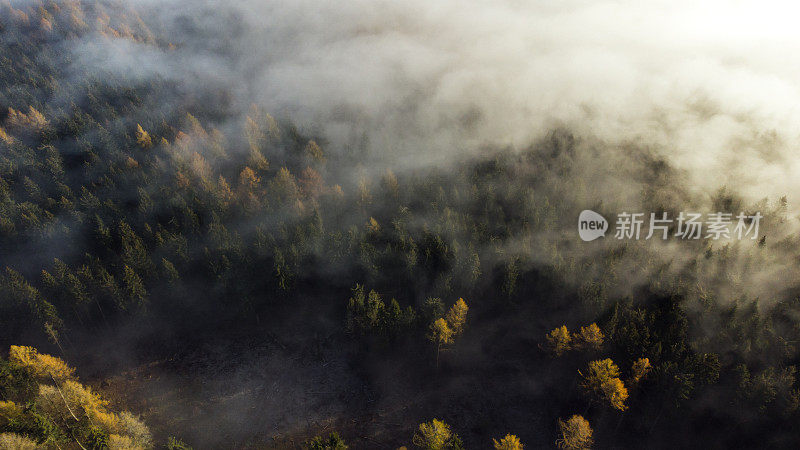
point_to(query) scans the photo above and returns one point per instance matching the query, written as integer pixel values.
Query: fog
(709, 89)
(712, 86)
(674, 100)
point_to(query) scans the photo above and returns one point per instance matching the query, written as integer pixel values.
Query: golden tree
(640, 369)
(32, 121)
(616, 393)
(5, 136)
(248, 179)
(373, 227)
(599, 371)
(440, 334)
(143, 137)
(510, 442)
(45, 367)
(457, 316)
(559, 340)
(224, 192)
(17, 442)
(602, 380)
(433, 435)
(576, 434)
(590, 337)
(70, 409)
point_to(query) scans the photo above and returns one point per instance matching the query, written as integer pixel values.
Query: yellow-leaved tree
(510, 442)
(76, 417)
(590, 338)
(576, 434)
(433, 435)
(248, 180)
(444, 329)
(602, 381)
(457, 316)
(440, 334)
(615, 392)
(558, 340)
(44, 367)
(13, 441)
(5, 137)
(143, 137)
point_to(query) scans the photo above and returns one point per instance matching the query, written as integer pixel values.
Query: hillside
(233, 276)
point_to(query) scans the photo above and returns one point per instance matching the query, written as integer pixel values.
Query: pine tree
(135, 292)
(134, 253)
(170, 273)
(364, 195)
(311, 183)
(248, 180)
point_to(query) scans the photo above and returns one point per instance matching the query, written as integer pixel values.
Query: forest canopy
(196, 268)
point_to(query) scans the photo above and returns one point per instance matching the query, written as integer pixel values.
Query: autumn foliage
(76, 417)
(576, 434)
(509, 442)
(559, 340)
(601, 380)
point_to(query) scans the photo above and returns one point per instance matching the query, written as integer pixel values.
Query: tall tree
(457, 316)
(558, 340)
(576, 434)
(602, 381)
(509, 442)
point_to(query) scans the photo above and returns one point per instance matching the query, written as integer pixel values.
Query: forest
(183, 267)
